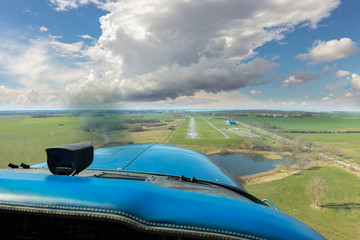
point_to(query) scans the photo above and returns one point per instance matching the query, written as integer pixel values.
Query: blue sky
(290, 55)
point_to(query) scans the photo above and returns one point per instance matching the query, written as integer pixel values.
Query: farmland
(340, 216)
(23, 139)
(318, 122)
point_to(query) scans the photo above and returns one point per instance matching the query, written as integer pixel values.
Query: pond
(245, 164)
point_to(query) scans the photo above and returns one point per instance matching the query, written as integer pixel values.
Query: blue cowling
(159, 158)
(151, 204)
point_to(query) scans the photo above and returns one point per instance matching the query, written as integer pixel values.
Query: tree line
(106, 126)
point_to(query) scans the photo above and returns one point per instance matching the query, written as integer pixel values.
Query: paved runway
(192, 131)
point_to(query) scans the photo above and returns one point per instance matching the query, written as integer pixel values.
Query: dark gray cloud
(299, 78)
(171, 82)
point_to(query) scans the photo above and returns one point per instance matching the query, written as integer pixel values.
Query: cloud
(65, 5)
(355, 81)
(28, 11)
(288, 103)
(323, 51)
(254, 92)
(43, 29)
(299, 78)
(201, 100)
(325, 99)
(27, 99)
(326, 69)
(168, 82)
(159, 54)
(342, 73)
(275, 57)
(349, 95)
(153, 51)
(328, 88)
(86, 36)
(43, 63)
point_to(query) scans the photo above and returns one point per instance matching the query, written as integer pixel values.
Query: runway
(192, 131)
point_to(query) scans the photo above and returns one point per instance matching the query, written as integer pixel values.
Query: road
(192, 131)
(285, 140)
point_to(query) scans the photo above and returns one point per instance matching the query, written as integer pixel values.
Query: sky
(180, 54)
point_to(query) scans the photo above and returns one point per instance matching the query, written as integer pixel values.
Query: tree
(137, 127)
(315, 157)
(316, 188)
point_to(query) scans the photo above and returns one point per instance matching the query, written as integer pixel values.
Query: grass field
(340, 217)
(205, 130)
(24, 139)
(347, 143)
(330, 123)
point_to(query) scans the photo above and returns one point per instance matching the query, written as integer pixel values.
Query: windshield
(268, 89)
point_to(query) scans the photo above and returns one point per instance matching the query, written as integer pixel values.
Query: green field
(323, 122)
(205, 130)
(24, 139)
(344, 145)
(347, 143)
(340, 217)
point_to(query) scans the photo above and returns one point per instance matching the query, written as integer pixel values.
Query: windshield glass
(272, 87)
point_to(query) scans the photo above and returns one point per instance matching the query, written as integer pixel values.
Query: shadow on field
(313, 168)
(342, 206)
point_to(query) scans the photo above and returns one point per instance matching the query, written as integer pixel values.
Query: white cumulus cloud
(86, 36)
(43, 29)
(298, 78)
(355, 81)
(65, 5)
(327, 51)
(342, 73)
(152, 50)
(254, 92)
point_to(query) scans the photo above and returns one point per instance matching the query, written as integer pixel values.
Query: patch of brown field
(279, 173)
(275, 156)
(314, 206)
(268, 176)
(272, 156)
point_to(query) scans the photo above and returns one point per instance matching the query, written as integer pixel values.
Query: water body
(245, 164)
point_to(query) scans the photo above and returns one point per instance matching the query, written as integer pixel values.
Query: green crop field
(344, 144)
(24, 139)
(347, 143)
(340, 217)
(329, 123)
